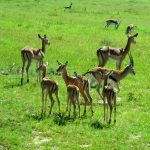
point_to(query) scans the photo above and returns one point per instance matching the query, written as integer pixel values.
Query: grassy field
(75, 35)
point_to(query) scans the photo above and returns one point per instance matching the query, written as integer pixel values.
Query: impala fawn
(49, 87)
(109, 99)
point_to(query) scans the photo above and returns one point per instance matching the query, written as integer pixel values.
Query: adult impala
(28, 54)
(116, 75)
(117, 54)
(83, 87)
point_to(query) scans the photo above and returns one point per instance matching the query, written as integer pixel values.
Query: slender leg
(52, 103)
(85, 101)
(118, 65)
(27, 69)
(69, 106)
(98, 89)
(91, 101)
(58, 101)
(45, 102)
(37, 65)
(42, 102)
(107, 112)
(115, 108)
(104, 103)
(67, 102)
(78, 103)
(22, 71)
(74, 105)
(111, 108)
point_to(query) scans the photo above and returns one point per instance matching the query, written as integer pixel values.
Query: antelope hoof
(114, 121)
(27, 80)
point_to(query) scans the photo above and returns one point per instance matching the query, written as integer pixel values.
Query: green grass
(75, 36)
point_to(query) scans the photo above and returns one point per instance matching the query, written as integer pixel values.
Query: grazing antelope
(68, 7)
(72, 98)
(117, 54)
(116, 23)
(49, 87)
(109, 97)
(28, 54)
(83, 87)
(130, 28)
(116, 75)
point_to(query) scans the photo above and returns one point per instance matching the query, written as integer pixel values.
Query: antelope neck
(124, 73)
(127, 48)
(43, 47)
(65, 75)
(44, 73)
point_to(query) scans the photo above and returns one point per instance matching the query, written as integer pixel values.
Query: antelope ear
(66, 63)
(45, 36)
(59, 63)
(39, 36)
(135, 35)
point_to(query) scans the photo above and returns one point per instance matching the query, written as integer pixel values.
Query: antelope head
(41, 68)
(61, 66)
(132, 38)
(44, 40)
(79, 77)
(131, 65)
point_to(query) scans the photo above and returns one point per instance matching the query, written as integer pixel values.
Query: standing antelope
(114, 22)
(117, 54)
(116, 75)
(73, 97)
(109, 97)
(129, 28)
(68, 7)
(28, 54)
(83, 87)
(49, 87)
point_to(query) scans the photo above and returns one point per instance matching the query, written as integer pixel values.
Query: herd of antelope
(79, 84)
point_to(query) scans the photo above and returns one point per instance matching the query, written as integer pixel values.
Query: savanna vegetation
(74, 36)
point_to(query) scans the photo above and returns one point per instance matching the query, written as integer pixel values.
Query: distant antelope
(109, 99)
(83, 86)
(68, 7)
(28, 54)
(73, 97)
(49, 87)
(117, 54)
(129, 29)
(116, 23)
(116, 75)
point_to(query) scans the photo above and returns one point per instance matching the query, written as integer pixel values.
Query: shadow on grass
(96, 124)
(62, 119)
(36, 116)
(9, 86)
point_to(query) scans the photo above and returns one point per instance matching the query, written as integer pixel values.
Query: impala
(117, 54)
(109, 98)
(114, 22)
(68, 7)
(28, 54)
(72, 98)
(116, 75)
(83, 87)
(130, 28)
(49, 87)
